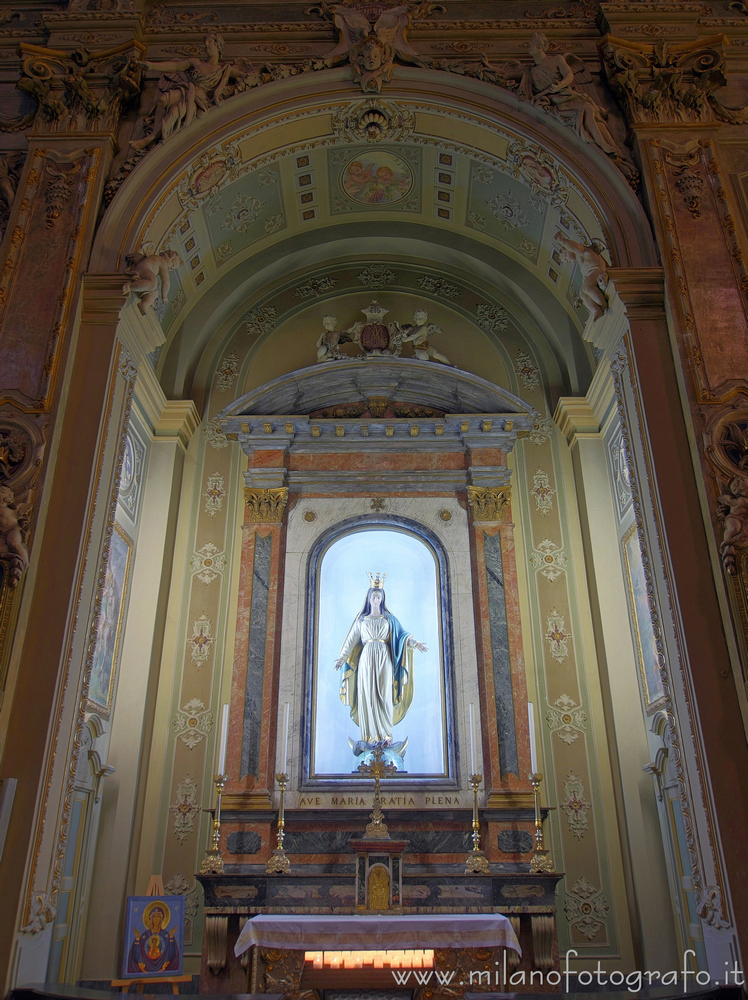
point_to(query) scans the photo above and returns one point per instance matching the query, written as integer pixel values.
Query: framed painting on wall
(154, 936)
(642, 627)
(110, 613)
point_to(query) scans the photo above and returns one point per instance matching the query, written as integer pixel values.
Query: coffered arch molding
(266, 124)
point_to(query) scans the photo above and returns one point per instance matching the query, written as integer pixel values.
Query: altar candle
(533, 748)
(223, 739)
(285, 742)
(472, 743)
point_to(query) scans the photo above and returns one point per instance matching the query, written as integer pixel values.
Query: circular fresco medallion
(537, 173)
(377, 178)
(211, 175)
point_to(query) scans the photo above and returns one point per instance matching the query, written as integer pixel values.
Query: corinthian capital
(489, 503)
(266, 506)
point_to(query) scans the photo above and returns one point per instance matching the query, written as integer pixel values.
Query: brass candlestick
(279, 863)
(476, 862)
(212, 863)
(541, 859)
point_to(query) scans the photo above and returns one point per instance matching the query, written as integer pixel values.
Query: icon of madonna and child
(156, 949)
(377, 681)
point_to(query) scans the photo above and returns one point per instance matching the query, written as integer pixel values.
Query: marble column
(501, 669)
(252, 731)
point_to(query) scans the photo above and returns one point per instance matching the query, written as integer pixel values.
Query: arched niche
(417, 592)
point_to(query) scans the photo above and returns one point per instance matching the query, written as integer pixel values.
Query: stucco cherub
(146, 271)
(733, 506)
(418, 334)
(329, 342)
(594, 273)
(371, 51)
(12, 547)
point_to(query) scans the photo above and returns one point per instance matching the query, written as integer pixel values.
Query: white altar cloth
(338, 932)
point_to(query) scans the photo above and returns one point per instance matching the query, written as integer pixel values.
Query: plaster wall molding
(179, 420)
(103, 304)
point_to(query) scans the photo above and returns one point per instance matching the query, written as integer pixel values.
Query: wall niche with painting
(378, 653)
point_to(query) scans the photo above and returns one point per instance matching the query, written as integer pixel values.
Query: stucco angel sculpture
(594, 273)
(371, 51)
(145, 273)
(555, 83)
(418, 334)
(188, 86)
(12, 547)
(328, 343)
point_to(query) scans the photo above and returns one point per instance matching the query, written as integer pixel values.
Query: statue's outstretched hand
(422, 647)
(339, 662)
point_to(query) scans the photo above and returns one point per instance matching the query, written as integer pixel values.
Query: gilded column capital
(489, 503)
(266, 506)
(669, 82)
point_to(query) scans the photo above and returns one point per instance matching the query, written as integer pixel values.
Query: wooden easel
(125, 984)
(155, 888)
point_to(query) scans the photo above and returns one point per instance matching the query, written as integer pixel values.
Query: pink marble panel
(367, 460)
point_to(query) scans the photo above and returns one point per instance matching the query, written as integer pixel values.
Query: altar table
(333, 932)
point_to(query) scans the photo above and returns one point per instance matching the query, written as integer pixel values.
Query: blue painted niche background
(413, 595)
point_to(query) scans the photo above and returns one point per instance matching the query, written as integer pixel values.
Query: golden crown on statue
(377, 582)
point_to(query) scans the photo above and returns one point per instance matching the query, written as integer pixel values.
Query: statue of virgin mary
(377, 662)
